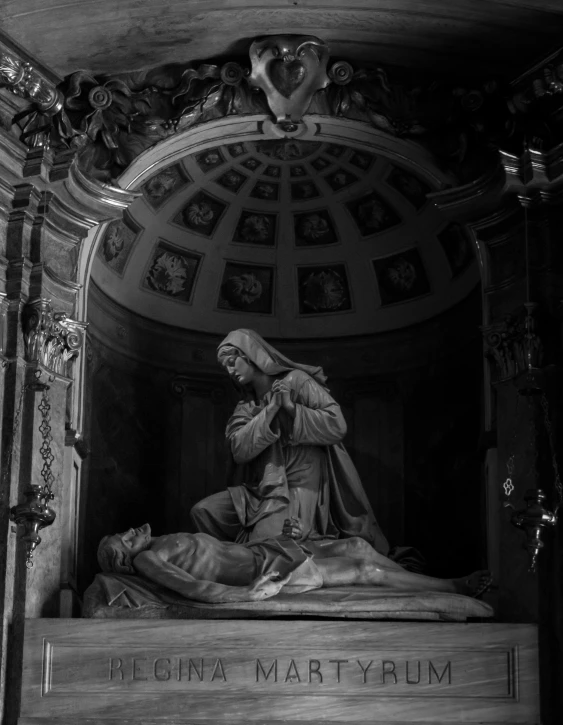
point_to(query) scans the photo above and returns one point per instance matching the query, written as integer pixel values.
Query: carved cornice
(380, 355)
(478, 196)
(183, 385)
(103, 200)
(543, 80)
(22, 79)
(534, 168)
(110, 120)
(52, 340)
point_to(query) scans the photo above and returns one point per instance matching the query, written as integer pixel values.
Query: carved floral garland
(110, 120)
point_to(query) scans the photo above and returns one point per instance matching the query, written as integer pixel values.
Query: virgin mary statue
(285, 438)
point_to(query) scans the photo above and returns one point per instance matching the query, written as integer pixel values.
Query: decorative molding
(289, 69)
(74, 440)
(9, 45)
(51, 338)
(22, 79)
(182, 386)
(513, 345)
(109, 120)
(534, 168)
(367, 356)
(463, 198)
(4, 305)
(80, 203)
(543, 79)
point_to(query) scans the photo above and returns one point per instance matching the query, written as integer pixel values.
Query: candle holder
(534, 519)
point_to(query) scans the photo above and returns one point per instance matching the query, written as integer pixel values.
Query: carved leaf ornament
(104, 109)
(51, 338)
(111, 120)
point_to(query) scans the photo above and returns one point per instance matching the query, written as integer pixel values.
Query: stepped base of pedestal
(198, 672)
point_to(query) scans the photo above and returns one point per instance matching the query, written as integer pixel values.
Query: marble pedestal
(199, 672)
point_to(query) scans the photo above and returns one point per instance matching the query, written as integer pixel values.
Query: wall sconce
(531, 383)
(533, 520)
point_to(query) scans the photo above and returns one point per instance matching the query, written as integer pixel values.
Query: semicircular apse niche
(293, 238)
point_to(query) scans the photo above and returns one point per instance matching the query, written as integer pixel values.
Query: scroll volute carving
(25, 81)
(52, 339)
(290, 69)
(513, 345)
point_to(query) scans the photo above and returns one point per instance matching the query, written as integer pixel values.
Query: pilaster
(47, 208)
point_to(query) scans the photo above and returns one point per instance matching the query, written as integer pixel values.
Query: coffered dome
(294, 238)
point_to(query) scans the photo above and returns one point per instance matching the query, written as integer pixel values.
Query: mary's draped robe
(290, 468)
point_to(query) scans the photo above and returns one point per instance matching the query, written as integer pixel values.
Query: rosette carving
(341, 73)
(51, 338)
(110, 120)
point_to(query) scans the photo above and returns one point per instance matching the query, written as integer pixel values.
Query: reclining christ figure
(202, 568)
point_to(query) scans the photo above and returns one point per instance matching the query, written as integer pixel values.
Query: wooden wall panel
(256, 672)
(377, 448)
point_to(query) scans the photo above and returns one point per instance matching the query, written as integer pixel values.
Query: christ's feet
(475, 584)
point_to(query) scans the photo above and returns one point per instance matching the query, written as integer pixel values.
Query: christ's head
(117, 551)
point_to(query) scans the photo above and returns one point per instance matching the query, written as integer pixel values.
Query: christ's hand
(265, 587)
(292, 528)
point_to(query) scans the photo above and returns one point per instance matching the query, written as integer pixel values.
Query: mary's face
(239, 369)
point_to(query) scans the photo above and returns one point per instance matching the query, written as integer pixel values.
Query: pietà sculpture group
(295, 516)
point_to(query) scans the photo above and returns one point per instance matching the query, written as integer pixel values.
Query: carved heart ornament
(290, 69)
(287, 76)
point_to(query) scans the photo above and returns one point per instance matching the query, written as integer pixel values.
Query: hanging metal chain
(508, 484)
(34, 513)
(533, 463)
(554, 463)
(46, 450)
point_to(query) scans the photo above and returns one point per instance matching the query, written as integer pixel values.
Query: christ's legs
(377, 570)
(353, 547)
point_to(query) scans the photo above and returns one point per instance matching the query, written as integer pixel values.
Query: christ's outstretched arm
(171, 576)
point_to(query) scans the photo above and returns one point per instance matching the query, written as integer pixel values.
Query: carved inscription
(438, 673)
(162, 668)
(396, 673)
(382, 671)
(280, 670)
